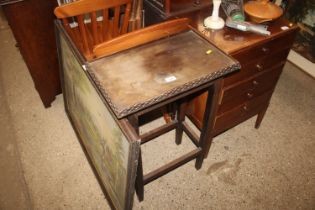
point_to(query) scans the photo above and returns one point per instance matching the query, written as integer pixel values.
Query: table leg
(206, 135)
(139, 179)
(181, 110)
(139, 186)
(134, 122)
(260, 117)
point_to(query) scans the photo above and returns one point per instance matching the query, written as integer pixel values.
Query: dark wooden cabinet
(32, 24)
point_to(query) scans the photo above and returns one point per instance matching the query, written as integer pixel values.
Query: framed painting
(111, 147)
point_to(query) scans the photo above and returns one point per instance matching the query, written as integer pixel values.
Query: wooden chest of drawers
(246, 93)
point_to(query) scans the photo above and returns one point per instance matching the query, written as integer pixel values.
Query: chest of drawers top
(232, 41)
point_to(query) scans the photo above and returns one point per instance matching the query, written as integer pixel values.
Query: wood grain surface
(145, 75)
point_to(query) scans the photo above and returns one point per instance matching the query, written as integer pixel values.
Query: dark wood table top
(135, 79)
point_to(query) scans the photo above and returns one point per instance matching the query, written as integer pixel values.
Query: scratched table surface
(137, 78)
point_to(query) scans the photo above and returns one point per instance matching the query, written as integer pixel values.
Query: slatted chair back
(90, 22)
(141, 36)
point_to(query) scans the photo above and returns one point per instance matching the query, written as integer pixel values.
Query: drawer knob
(245, 108)
(250, 95)
(265, 49)
(259, 67)
(255, 83)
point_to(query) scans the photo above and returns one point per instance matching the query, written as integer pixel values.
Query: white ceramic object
(214, 21)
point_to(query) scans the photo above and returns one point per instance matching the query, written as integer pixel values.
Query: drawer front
(247, 92)
(265, 49)
(252, 68)
(241, 113)
(249, 89)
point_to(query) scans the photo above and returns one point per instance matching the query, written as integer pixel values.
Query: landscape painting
(103, 139)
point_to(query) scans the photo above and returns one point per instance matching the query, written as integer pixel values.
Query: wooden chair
(90, 22)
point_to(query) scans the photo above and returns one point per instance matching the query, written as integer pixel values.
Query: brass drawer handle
(250, 95)
(259, 67)
(265, 50)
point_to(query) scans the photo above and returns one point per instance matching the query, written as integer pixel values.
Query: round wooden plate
(262, 11)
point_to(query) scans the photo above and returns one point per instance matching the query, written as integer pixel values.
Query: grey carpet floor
(43, 166)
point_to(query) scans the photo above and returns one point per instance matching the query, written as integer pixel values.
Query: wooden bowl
(262, 11)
